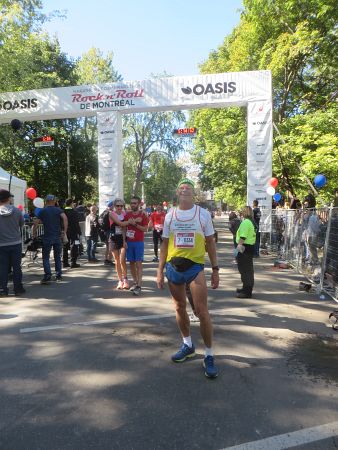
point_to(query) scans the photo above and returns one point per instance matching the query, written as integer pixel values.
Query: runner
(137, 225)
(118, 244)
(156, 224)
(187, 231)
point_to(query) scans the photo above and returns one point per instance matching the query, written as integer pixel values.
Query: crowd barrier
(307, 240)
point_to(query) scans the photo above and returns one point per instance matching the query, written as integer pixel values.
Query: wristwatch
(215, 268)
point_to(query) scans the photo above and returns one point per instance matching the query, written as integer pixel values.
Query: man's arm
(211, 249)
(161, 264)
(65, 222)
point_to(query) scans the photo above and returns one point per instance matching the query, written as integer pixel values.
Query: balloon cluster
(37, 201)
(271, 189)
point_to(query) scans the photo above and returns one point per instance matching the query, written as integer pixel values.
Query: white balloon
(38, 202)
(271, 190)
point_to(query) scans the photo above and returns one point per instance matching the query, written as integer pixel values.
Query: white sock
(208, 352)
(187, 341)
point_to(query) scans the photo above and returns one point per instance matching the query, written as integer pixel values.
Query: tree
(146, 134)
(296, 40)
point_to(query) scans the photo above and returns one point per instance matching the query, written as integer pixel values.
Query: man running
(187, 231)
(137, 225)
(156, 224)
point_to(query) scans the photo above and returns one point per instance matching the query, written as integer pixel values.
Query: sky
(146, 36)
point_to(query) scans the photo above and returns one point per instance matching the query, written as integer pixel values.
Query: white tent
(18, 187)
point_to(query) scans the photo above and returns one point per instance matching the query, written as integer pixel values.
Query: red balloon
(273, 182)
(20, 207)
(31, 193)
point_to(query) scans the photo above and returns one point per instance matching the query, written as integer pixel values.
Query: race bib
(130, 234)
(184, 240)
(159, 227)
(118, 230)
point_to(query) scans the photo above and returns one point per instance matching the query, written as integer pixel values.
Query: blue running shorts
(135, 251)
(187, 276)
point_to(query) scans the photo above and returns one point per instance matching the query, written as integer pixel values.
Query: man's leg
(16, 252)
(133, 271)
(139, 273)
(57, 258)
(199, 293)
(155, 242)
(179, 298)
(65, 249)
(4, 262)
(46, 248)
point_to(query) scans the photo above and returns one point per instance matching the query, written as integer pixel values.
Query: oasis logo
(22, 104)
(217, 88)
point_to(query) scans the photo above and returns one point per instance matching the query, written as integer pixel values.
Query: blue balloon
(320, 181)
(26, 216)
(37, 211)
(277, 197)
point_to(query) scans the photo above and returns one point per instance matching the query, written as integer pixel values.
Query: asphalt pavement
(84, 366)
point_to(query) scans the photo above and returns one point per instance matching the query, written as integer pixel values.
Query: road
(84, 366)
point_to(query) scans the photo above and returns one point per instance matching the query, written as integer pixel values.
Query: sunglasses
(119, 206)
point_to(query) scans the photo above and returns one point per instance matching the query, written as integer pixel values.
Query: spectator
(51, 216)
(11, 221)
(234, 223)
(310, 200)
(156, 224)
(245, 239)
(257, 217)
(73, 235)
(92, 233)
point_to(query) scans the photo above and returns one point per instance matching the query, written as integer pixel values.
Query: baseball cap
(4, 195)
(186, 181)
(50, 197)
(110, 204)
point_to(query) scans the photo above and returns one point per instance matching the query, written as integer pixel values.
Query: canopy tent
(18, 186)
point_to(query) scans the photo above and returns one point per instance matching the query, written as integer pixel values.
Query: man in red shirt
(137, 225)
(156, 223)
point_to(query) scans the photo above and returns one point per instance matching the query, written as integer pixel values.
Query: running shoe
(193, 318)
(46, 279)
(184, 352)
(125, 284)
(155, 259)
(119, 285)
(134, 285)
(137, 290)
(210, 370)
(58, 278)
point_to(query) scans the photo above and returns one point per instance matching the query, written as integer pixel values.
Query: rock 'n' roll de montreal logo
(217, 88)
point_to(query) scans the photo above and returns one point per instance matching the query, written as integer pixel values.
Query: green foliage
(30, 59)
(297, 41)
(162, 177)
(144, 135)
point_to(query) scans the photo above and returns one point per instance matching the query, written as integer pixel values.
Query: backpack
(104, 221)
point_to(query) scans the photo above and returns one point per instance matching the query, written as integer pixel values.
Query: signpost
(44, 141)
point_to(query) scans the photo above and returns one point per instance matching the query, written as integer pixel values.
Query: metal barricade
(306, 239)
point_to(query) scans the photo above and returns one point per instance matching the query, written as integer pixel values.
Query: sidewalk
(84, 366)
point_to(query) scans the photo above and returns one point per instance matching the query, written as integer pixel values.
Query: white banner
(251, 89)
(214, 91)
(109, 151)
(259, 153)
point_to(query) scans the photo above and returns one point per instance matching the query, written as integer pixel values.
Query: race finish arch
(108, 102)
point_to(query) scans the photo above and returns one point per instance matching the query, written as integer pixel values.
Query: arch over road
(109, 101)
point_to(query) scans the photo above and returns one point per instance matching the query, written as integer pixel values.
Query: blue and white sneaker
(210, 368)
(184, 352)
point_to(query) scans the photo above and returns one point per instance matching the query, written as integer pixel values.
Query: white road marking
(293, 439)
(101, 322)
(94, 322)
